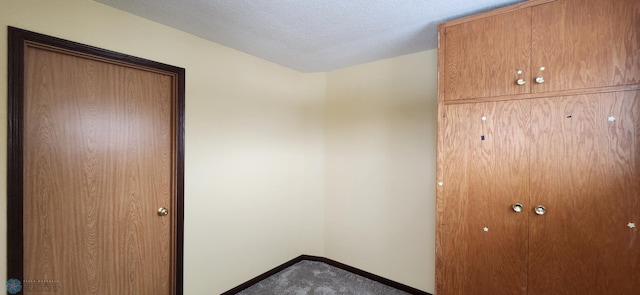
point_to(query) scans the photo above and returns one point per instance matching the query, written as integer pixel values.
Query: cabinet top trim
(493, 12)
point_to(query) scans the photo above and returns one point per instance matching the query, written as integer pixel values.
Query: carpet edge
(263, 276)
(357, 271)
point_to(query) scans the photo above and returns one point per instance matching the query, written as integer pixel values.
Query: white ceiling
(311, 35)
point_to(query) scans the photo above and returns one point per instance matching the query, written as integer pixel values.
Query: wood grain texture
(571, 39)
(98, 163)
(482, 57)
(585, 44)
(503, 163)
(567, 92)
(476, 154)
(440, 195)
(457, 268)
(585, 171)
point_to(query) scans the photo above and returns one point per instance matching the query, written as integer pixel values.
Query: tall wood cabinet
(539, 184)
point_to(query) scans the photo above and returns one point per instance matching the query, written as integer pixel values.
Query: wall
(380, 168)
(254, 141)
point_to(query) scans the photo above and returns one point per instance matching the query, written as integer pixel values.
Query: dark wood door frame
(18, 38)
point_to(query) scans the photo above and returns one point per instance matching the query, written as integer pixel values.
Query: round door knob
(540, 210)
(539, 79)
(521, 82)
(517, 207)
(162, 211)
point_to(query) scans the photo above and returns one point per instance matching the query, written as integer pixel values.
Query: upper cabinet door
(483, 57)
(585, 44)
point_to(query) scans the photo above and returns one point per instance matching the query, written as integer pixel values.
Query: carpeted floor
(317, 278)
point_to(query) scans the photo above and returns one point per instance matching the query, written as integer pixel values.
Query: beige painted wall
(254, 141)
(380, 168)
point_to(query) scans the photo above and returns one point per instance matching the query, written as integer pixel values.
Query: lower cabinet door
(540, 196)
(585, 172)
(482, 223)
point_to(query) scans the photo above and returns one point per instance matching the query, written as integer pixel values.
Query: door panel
(585, 171)
(483, 56)
(484, 241)
(97, 166)
(573, 40)
(460, 260)
(99, 139)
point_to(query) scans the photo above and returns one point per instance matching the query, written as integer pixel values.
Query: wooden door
(483, 56)
(585, 171)
(482, 241)
(100, 157)
(585, 44)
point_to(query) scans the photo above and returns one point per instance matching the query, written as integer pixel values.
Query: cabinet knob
(517, 207)
(539, 79)
(521, 82)
(540, 210)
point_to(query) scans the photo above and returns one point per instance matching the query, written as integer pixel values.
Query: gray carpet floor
(317, 278)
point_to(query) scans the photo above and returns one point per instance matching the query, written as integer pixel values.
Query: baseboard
(263, 276)
(334, 263)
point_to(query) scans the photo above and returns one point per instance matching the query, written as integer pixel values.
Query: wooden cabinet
(568, 144)
(539, 47)
(576, 156)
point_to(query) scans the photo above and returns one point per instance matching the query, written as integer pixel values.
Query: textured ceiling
(311, 35)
